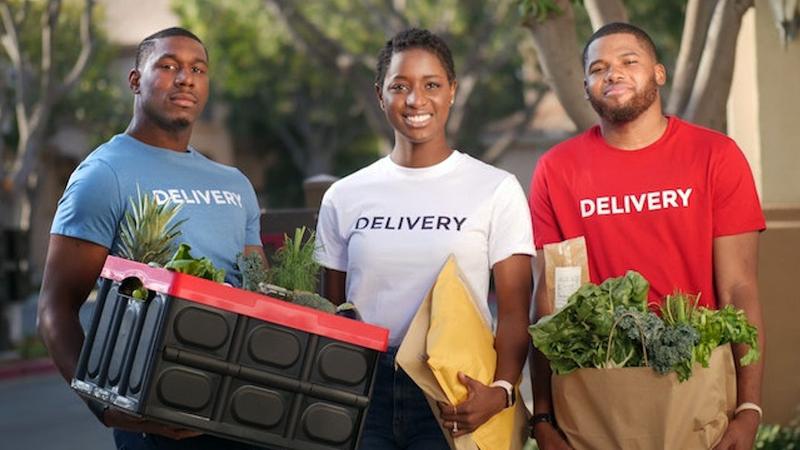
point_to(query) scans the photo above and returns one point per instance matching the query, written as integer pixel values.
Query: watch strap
(509, 388)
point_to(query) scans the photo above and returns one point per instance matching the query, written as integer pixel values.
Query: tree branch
(602, 12)
(693, 40)
(707, 105)
(87, 47)
(10, 40)
(557, 47)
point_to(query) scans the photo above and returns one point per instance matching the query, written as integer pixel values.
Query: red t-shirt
(655, 210)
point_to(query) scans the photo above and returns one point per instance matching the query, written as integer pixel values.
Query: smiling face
(622, 78)
(416, 97)
(171, 85)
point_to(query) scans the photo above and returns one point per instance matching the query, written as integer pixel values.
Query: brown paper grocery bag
(412, 356)
(635, 408)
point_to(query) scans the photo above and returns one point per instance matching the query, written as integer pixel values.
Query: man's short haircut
(415, 38)
(147, 44)
(621, 28)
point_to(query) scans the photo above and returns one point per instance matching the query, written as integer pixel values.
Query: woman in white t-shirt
(385, 232)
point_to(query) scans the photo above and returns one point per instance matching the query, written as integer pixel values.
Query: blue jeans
(126, 440)
(399, 417)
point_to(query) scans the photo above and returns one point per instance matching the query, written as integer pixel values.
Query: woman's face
(416, 96)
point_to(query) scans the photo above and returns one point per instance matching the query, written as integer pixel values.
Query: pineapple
(148, 231)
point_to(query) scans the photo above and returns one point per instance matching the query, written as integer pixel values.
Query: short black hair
(415, 38)
(621, 28)
(147, 44)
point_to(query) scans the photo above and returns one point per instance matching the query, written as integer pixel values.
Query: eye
(198, 69)
(398, 87)
(432, 85)
(168, 66)
(630, 61)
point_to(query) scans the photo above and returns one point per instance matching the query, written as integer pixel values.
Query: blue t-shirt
(218, 200)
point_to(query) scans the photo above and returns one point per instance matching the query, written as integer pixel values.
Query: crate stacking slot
(227, 362)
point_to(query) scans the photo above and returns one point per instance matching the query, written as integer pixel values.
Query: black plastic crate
(228, 362)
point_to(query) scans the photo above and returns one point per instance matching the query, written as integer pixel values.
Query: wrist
(508, 391)
(542, 421)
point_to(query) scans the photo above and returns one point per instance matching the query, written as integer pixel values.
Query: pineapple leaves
(148, 231)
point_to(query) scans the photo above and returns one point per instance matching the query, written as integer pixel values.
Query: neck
(157, 135)
(426, 154)
(638, 133)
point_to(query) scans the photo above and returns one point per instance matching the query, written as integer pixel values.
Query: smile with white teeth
(418, 118)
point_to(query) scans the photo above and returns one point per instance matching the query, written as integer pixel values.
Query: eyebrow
(175, 57)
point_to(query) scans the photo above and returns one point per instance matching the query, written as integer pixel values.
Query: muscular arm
(736, 282)
(333, 285)
(71, 270)
(512, 278)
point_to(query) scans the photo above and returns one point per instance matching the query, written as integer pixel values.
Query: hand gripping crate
(227, 362)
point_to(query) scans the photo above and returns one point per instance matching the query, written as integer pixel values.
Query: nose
(415, 98)
(613, 73)
(185, 77)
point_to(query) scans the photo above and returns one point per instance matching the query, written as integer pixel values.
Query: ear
(379, 94)
(585, 90)
(133, 80)
(453, 88)
(661, 74)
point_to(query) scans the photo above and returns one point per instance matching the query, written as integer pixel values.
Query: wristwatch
(511, 396)
(540, 418)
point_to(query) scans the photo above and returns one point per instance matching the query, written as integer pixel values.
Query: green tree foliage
(306, 102)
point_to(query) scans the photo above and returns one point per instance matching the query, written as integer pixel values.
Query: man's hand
(118, 419)
(548, 437)
(481, 404)
(741, 432)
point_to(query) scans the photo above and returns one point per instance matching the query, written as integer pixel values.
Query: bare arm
(546, 434)
(333, 286)
(736, 282)
(512, 277)
(71, 270)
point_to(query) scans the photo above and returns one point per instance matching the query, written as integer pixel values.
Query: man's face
(172, 82)
(622, 77)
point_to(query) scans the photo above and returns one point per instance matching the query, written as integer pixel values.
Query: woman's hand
(481, 404)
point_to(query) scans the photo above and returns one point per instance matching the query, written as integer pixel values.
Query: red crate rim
(248, 303)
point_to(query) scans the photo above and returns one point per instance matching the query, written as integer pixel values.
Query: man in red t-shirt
(655, 194)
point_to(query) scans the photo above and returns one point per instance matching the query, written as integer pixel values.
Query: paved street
(41, 413)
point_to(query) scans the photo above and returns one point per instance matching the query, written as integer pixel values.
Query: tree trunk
(693, 39)
(602, 12)
(708, 103)
(558, 51)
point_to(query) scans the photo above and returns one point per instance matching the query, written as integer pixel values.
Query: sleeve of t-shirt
(90, 208)
(510, 231)
(543, 215)
(737, 208)
(253, 226)
(331, 251)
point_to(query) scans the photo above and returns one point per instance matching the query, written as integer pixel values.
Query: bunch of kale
(611, 326)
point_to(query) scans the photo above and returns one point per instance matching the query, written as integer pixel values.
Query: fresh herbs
(183, 262)
(294, 275)
(295, 268)
(610, 326)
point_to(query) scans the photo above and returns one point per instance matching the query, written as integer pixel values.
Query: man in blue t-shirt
(170, 87)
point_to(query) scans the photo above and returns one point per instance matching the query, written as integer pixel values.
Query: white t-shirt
(391, 228)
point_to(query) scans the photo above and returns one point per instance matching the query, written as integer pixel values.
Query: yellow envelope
(448, 335)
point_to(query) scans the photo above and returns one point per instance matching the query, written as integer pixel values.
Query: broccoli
(674, 350)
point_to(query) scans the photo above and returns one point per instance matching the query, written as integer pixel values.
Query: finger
(724, 443)
(447, 411)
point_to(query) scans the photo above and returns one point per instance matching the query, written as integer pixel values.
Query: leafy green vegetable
(183, 262)
(610, 326)
(254, 273)
(295, 267)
